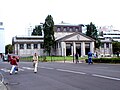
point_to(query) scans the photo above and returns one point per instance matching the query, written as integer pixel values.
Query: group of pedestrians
(90, 54)
(14, 63)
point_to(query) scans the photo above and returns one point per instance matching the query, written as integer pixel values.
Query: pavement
(2, 85)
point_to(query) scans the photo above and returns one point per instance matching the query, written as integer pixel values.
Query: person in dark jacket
(76, 57)
(14, 64)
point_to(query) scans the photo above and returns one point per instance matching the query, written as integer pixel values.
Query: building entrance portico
(75, 47)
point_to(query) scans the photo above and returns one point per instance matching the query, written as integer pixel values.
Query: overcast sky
(18, 14)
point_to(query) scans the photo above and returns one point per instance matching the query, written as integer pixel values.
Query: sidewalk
(2, 86)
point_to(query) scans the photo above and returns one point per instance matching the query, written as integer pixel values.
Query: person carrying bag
(14, 64)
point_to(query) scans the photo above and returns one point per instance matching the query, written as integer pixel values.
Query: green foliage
(49, 39)
(116, 46)
(92, 32)
(8, 49)
(37, 31)
(51, 58)
(105, 60)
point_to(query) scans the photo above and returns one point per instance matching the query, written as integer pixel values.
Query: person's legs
(35, 68)
(12, 69)
(16, 69)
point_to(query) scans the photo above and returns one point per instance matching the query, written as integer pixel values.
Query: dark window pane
(35, 46)
(28, 46)
(21, 46)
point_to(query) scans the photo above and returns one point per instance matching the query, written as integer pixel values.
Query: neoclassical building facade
(67, 44)
(69, 40)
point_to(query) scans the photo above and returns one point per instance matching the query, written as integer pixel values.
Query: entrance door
(87, 48)
(78, 48)
(68, 49)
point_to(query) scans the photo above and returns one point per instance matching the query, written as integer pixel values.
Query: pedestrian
(35, 62)
(117, 53)
(76, 57)
(14, 64)
(90, 58)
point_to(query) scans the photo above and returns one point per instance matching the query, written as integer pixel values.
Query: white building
(67, 44)
(2, 38)
(114, 34)
(69, 40)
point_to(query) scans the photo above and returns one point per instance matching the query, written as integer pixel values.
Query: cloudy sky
(17, 15)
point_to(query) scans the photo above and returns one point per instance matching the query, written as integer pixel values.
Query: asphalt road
(63, 76)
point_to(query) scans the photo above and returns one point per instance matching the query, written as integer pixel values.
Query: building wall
(2, 38)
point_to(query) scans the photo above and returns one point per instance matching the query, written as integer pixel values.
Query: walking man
(35, 62)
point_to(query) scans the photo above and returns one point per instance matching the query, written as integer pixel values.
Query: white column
(32, 49)
(83, 49)
(63, 46)
(104, 49)
(111, 52)
(32, 46)
(15, 48)
(18, 51)
(74, 47)
(92, 47)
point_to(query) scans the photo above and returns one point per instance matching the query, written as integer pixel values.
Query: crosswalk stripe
(28, 68)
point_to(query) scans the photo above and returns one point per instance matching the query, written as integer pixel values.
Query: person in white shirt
(35, 62)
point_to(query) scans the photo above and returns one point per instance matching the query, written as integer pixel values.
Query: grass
(52, 58)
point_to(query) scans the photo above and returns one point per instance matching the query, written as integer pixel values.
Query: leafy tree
(37, 31)
(116, 46)
(49, 39)
(8, 49)
(92, 32)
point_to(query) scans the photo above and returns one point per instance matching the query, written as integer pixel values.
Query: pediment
(76, 37)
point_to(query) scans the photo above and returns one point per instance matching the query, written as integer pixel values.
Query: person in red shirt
(14, 64)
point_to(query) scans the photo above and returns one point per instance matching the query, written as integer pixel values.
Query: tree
(116, 46)
(8, 49)
(92, 32)
(49, 39)
(37, 31)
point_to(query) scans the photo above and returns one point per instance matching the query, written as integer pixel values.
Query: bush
(105, 60)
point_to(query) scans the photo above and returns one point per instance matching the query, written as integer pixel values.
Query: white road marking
(47, 67)
(20, 69)
(70, 71)
(28, 68)
(102, 67)
(8, 70)
(107, 77)
(5, 70)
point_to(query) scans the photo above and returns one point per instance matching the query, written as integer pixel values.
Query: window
(28, 46)
(21, 46)
(41, 45)
(70, 29)
(76, 30)
(64, 29)
(107, 45)
(102, 45)
(35, 46)
(58, 29)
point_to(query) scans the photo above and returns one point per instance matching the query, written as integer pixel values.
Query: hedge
(105, 60)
